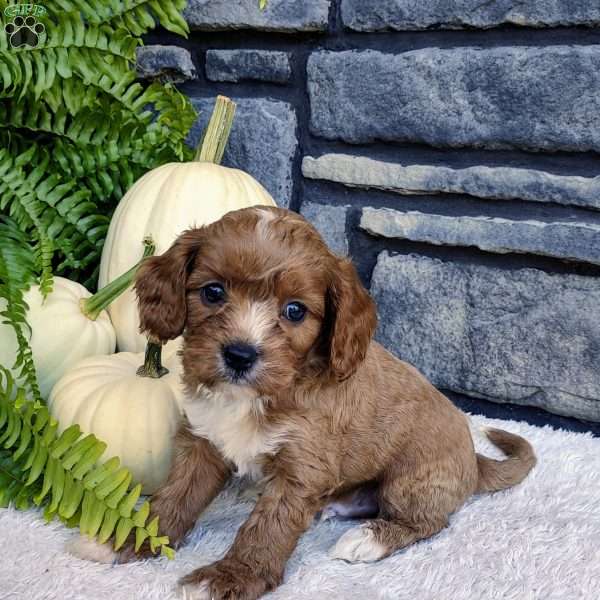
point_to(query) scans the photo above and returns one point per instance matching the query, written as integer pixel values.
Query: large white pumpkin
(136, 416)
(61, 335)
(163, 203)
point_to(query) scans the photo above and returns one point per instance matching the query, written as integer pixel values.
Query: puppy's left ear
(160, 284)
(354, 320)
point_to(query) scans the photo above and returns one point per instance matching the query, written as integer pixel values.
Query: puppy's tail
(497, 475)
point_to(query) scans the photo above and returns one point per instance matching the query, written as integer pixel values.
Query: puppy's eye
(294, 311)
(213, 293)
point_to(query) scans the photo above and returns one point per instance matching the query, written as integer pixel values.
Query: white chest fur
(229, 419)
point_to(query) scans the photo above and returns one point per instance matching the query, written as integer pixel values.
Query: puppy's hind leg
(381, 537)
(411, 509)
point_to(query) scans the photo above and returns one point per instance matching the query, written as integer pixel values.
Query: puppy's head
(261, 302)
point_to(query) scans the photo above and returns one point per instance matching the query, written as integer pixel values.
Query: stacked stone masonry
(450, 149)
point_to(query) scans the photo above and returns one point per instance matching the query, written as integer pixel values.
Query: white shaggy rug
(540, 540)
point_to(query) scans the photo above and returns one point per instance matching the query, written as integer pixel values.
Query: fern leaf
(127, 134)
(52, 208)
(96, 55)
(17, 272)
(27, 211)
(139, 16)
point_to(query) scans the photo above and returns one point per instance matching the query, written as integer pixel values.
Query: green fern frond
(83, 129)
(44, 252)
(56, 211)
(175, 114)
(61, 472)
(107, 174)
(26, 211)
(97, 55)
(17, 273)
(139, 16)
(131, 130)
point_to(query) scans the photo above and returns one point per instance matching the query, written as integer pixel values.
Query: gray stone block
(262, 141)
(481, 181)
(521, 336)
(525, 97)
(279, 15)
(330, 222)
(169, 62)
(404, 15)
(564, 239)
(258, 65)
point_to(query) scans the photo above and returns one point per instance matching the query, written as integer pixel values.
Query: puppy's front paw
(358, 545)
(89, 549)
(223, 580)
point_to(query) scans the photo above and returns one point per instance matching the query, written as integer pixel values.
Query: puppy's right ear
(160, 287)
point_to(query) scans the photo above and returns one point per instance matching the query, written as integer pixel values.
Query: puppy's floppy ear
(354, 319)
(160, 287)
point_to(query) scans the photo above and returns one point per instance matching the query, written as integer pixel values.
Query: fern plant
(77, 126)
(76, 130)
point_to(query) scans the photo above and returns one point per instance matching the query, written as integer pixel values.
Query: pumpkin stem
(91, 307)
(152, 366)
(215, 137)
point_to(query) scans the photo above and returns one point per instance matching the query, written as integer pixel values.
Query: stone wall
(450, 148)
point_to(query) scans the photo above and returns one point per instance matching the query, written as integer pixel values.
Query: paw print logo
(24, 31)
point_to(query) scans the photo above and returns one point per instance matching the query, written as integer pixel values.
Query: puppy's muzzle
(239, 357)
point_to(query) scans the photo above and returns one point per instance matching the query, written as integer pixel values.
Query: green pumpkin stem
(152, 366)
(91, 307)
(215, 137)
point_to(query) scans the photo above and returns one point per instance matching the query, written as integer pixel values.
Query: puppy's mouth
(247, 377)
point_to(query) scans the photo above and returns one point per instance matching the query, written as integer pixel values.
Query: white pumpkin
(61, 334)
(135, 416)
(165, 202)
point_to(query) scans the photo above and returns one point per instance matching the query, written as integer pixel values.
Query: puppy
(286, 384)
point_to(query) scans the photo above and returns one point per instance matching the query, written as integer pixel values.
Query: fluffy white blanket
(540, 540)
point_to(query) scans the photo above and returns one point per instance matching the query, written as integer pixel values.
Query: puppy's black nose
(239, 356)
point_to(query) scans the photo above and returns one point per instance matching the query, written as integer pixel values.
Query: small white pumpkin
(136, 416)
(165, 202)
(61, 334)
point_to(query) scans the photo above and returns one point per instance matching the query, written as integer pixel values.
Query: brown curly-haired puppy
(287, 385)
